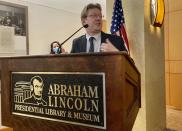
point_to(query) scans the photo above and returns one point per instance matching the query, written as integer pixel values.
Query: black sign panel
(76, 98)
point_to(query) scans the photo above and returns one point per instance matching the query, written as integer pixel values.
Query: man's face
(38, 87)
(94, 20)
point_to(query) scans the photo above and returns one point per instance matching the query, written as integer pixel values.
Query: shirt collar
(97, 36)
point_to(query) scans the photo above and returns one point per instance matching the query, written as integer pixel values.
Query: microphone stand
(85, 26)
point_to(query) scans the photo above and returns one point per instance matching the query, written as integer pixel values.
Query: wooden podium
(122, 98)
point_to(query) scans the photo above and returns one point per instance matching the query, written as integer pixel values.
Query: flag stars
(118, 18)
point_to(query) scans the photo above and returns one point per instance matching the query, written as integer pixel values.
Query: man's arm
(108, 46)
(113, 43)
(73, 47)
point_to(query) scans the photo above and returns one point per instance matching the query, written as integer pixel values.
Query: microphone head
(85, 26)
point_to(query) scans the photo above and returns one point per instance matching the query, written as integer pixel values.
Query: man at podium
(95, 40)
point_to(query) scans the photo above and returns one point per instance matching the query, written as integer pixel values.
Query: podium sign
(70, 97)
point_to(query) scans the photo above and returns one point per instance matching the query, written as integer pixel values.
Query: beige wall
(173, 53)
(47, 24)
(48, 21)
(147, 50)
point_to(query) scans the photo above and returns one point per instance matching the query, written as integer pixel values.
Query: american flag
(118, 23)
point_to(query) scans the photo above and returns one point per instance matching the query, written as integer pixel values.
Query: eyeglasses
(95, 16)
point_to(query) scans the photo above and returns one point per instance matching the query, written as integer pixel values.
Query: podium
(111, 105)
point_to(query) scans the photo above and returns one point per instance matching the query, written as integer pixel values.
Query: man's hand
(108, 47)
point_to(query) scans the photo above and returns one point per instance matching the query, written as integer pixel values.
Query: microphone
(85, 26)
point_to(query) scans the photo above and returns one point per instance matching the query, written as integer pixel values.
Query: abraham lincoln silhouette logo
(36, 88)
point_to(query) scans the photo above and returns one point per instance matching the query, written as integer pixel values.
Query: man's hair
(37, 78)
(84, 12)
